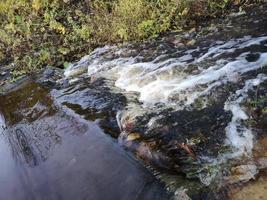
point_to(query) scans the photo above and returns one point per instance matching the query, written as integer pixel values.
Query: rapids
(191, 107)
(187, 107)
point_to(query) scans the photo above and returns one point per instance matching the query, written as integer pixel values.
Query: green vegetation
(260, 102)
(37, 33)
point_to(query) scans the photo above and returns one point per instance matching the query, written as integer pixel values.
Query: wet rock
(188, 111)
(252, 57)
(242, 173)
(180, 194)
(25, 148)
(188, 101)
(238, 14)
(3, 73)
(254, 190)
(262, 163)
(50, 77)
(179, 137)
(133, 136)
(94, 101)
(213, 28)
(191, 42)
(48, 73)
(78, 68)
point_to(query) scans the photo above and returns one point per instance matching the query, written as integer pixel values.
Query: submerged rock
(254, 190)
(43, 146)
(93, 100)
(193, 106)
(184, 108)
(242, 173)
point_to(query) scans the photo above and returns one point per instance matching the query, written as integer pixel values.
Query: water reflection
(30, 103)
(49, 153)
(22, 109)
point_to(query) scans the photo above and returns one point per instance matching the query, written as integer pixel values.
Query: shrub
(36, 33)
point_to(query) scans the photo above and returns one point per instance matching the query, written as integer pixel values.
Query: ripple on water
(48, 152)
(220, 74)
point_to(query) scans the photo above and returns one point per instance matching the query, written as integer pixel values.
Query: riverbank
(189, 106)
(44, 33)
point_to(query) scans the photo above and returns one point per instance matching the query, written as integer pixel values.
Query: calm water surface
(49, 153)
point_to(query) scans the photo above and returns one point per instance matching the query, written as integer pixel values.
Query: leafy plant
(37, 33)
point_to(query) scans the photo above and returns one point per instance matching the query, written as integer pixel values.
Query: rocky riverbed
(190, 107)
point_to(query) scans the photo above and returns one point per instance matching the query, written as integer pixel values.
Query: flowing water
(48, 152)
(194, 115)
(190, 110)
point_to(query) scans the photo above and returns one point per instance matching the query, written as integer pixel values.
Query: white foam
(216, 50)
(231, 46)
(165, 80)
(86, 61)
(162, 86)
(239, 136)
(179, 81)
(169, 80)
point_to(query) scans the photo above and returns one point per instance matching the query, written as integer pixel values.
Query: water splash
(239, 136)
(178, 79)
(169, 79)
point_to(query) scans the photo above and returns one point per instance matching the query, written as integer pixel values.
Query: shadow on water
(185, 111)
(93, 101)
(48, 153)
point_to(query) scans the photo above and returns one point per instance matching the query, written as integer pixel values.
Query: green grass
(37, 33)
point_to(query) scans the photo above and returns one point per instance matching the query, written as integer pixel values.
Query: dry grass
(37, 33)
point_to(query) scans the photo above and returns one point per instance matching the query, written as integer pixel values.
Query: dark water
(194, 114)
(47, 152)
(192, 110)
